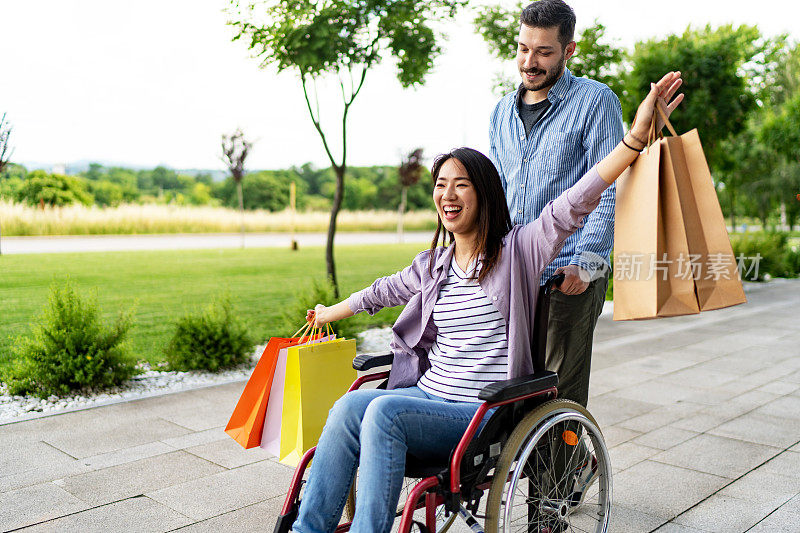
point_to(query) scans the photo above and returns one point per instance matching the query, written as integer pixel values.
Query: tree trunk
(733, 211)
(338, 196)
(241, 209)
(400, 211)
(783, 216)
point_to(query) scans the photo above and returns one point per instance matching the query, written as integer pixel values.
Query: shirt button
(519, 211)
(522, 186)
(525, 160)
(494, 298)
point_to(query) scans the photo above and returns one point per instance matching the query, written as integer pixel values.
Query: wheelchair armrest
(367, 361)
(512, 388)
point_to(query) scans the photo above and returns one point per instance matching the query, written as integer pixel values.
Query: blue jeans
(385, 424)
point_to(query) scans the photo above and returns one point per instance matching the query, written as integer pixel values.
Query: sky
(159, 81)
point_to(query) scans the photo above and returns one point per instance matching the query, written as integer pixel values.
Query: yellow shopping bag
(316, 376)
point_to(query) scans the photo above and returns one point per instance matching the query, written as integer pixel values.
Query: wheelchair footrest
(514, 388)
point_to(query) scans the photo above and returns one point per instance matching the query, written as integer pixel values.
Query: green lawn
(163, 284)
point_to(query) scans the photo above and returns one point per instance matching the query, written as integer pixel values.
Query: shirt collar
(557, 92)
(444, 258)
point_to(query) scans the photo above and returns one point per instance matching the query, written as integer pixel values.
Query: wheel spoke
(538, 485)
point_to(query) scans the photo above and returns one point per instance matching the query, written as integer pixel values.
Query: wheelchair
(540, 461)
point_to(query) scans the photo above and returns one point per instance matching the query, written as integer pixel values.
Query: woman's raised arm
(614, 164)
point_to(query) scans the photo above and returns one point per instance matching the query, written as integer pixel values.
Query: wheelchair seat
(420, 468)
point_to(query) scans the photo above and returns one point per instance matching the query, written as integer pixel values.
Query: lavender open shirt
(513, 285)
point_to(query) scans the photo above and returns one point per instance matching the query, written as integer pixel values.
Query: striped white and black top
(471, 347)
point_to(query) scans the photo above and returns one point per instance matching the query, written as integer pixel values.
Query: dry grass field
(24, 220)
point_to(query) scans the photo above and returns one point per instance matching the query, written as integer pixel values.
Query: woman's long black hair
(493, 220)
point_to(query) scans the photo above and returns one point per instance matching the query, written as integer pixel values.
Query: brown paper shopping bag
(649, 234)
(672, 255)
(716, 272)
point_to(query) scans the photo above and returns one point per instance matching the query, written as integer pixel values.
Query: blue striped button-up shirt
(582, 125)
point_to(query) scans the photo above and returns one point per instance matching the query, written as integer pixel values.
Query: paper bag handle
(304, 329)
(314, 330)
(662, 112)
(651, 133)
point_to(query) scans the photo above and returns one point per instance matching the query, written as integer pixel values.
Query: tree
(5, 151)
(732, 172)
(342, 39)
(235, 149)
(5, 147)
(788, 191)
(595, 57)
(779, 131)
(266, 189)
(410, 172)
(714, 64)
(106, 194)
(775, 72)
(752, 168)
(499, 27)
(598, 59)
(761, 198)
(54, 190)
(201, 194)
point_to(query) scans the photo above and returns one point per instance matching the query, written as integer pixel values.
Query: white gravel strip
(150, 383)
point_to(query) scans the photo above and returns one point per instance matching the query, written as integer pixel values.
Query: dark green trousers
(570, 331)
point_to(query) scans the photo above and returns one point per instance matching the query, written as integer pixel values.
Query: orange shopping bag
(247, 421)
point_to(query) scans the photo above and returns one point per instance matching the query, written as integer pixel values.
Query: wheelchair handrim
(562, 415)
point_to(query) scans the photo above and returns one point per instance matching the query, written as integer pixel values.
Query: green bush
(70, 348)
(213, 339)
(778, 259)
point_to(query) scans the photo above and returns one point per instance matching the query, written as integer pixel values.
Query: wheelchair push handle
(553, 281)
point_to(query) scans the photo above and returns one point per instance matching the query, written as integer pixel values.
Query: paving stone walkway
(702, 415)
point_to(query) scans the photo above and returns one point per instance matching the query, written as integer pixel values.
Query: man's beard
(551, 76)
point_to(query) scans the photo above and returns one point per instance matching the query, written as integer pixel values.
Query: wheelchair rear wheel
(553, 475)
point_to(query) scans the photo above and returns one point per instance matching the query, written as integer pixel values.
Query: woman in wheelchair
(467, 323)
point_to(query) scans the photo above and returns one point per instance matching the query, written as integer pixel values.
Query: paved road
(701, 415)
(114, 243)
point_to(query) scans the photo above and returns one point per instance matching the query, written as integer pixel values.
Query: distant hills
(76, 167)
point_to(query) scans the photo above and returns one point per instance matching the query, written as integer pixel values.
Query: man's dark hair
(549, 14)
(493, 220)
